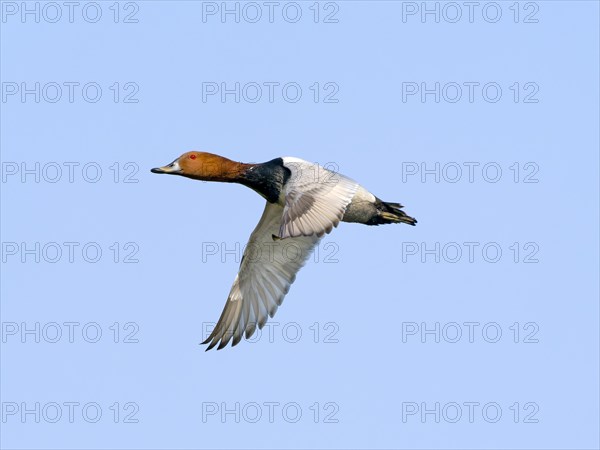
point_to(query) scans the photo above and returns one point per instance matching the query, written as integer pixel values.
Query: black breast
(267, 178)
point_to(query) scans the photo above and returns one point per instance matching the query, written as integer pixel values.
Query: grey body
(362, 208)
(269, 179)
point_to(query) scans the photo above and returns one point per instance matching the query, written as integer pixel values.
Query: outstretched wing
(268, 268)
(315, 199)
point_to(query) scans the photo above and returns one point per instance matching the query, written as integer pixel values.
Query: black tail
(392, 213)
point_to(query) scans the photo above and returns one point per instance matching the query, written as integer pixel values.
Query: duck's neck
(268, 179)
(218, 168)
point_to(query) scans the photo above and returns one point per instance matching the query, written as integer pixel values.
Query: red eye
(192, 156)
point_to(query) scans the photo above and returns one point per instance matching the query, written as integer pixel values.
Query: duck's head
(203, 166)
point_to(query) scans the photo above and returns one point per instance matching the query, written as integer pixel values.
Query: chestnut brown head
(203, 166)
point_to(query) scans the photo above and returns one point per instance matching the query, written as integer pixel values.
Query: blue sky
(484, 126)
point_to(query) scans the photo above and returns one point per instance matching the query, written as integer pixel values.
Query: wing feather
(262, 282)
(315, 199)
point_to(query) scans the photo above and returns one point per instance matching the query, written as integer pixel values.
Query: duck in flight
(304, 202)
